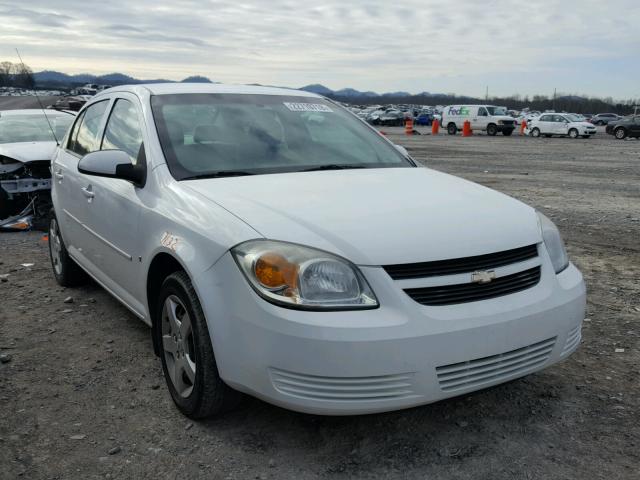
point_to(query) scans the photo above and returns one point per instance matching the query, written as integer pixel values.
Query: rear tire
(452, 129)
(535, 132)
(620, 133)
(188, 361)
(492, 130)
(66, 271)
(573, 133)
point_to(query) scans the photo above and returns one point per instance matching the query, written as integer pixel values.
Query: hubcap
(620, 134)
(55, 246)
(178, 345)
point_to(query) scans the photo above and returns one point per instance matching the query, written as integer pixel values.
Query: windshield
(209, 134)
(497, 110)
(33, 128)
(574, 118)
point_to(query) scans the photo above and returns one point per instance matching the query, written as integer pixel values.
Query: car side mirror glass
(112, 164)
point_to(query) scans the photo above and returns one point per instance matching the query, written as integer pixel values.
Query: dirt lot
(83, 395)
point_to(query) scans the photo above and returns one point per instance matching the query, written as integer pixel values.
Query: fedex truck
(487, 118)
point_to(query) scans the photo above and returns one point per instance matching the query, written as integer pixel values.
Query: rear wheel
(65, 269)
(620, 133)
(492, 129)
(452, 129)
(188, 362)
(573, 133)
(535, 132)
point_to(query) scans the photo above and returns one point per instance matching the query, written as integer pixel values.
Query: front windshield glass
(574, 118)
(497, 110)
(209, 134)
(16, 128)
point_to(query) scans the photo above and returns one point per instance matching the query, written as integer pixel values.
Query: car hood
(582, 124)
(377, 216)
(26, 152)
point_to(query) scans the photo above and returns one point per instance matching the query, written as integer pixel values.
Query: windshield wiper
(332, 166)
(223, 173)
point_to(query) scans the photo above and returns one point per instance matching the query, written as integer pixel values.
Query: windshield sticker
(307, 107)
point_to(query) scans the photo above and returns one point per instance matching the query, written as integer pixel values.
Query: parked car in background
(625, 127)
(488, 118)
(424, 119)
(279, 247)
(392, 118)
(28, 140)
(561, 124)
(604, 118)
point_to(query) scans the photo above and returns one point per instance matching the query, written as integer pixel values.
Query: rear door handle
(87, 192)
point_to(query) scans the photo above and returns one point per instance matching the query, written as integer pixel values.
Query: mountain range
(51, 78)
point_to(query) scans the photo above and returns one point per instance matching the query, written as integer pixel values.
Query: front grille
(473, 292)
(461, 265)
(495, 368)
(343, 389)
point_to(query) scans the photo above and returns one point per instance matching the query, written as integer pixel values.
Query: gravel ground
(83, 395)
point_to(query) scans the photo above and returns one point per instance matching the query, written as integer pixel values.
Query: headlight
(302, 277)
(553, 242)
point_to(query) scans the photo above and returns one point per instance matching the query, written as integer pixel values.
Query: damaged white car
(28, 140)
(279, 246)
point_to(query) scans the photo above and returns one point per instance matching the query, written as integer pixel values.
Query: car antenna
(24, 69)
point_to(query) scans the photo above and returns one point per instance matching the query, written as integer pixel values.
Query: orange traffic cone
(523, 126)
(466, 129)
(408, 126)
(435, 127)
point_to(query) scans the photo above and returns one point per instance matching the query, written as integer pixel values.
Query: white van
(487, 118)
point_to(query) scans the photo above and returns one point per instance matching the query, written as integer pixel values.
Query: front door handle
(88, 192)
(59, 174)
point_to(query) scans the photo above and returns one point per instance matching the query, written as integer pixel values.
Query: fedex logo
(458, 111)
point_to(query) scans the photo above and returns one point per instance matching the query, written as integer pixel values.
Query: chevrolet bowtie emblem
(483, 276)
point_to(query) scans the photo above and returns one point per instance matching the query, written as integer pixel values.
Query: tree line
(16, 75)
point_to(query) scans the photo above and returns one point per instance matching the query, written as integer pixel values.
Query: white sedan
(279, 246)
(561, 124)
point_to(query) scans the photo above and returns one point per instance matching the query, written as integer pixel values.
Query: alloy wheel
(178, 345)
(55, 246)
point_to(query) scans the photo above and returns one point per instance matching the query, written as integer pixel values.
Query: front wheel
(620, 133)
(573, 133)
(535, 132)
(452, 129)
(492, 130)
(188, 362)
(65, 269)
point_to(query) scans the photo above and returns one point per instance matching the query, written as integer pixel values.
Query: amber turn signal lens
(275, 271)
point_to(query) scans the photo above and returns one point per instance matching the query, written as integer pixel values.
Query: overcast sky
(585, 47)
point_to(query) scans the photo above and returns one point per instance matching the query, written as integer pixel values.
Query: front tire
(65, 269)
(535, 132)
(620, 133)
(573, 133)
(188, 361)
(452, 129)
(492, 130)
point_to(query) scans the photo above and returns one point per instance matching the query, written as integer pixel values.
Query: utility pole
(554, 100)
(486, 95)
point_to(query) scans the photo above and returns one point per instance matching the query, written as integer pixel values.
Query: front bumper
(400, 355)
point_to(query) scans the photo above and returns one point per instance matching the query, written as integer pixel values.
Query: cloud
(379, 45)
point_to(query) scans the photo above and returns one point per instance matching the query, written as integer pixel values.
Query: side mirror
(402, 150)
(113, 164)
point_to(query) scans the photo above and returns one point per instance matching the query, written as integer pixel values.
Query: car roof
(31, 111)
(179, 88)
